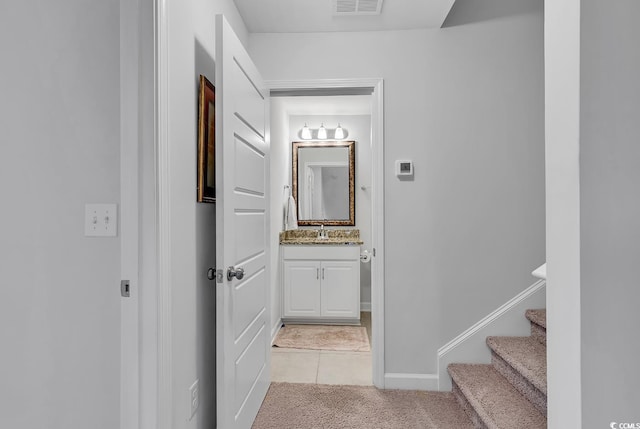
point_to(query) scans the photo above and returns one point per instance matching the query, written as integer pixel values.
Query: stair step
(523, 362)
(490, 400)
(525, 355)
(538, 319)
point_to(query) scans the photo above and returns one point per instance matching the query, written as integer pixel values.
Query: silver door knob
(235, 272)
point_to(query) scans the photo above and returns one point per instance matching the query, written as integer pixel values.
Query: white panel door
(340, 289)
(301, 289)
(242, 156)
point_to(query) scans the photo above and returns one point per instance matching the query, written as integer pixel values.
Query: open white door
(242, 155)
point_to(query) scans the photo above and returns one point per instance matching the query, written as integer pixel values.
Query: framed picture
(206, 142)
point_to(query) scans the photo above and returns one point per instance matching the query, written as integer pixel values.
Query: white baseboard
(275, 329)
(508, 320)
(410, 381)
(365, 306)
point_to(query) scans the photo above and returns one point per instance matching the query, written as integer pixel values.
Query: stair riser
(539, 333)
(468, 409)
(528, 390)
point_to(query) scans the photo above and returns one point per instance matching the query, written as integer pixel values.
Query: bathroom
(290, 113)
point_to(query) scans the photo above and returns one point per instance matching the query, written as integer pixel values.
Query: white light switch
(100, 220)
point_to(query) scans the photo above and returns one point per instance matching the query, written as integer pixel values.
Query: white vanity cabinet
(321, 283)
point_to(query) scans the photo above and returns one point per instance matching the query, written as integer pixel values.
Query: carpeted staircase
(511, 392)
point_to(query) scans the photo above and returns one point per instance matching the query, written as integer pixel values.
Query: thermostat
(404, 168)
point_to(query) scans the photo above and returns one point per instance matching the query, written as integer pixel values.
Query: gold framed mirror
(323, 176)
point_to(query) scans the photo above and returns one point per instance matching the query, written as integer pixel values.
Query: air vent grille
(357, 7)
(346, 6)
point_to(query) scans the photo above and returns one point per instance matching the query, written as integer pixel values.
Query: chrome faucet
(322, 233)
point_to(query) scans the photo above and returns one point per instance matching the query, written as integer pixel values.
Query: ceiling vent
(357, 7)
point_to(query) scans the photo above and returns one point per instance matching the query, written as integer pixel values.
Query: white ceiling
(311, 16)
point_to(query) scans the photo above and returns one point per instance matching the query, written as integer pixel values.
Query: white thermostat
(404, 168)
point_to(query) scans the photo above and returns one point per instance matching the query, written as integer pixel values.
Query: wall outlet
(193, 398)
(100, 220)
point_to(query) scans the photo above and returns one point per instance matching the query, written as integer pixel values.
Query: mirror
(323, 182)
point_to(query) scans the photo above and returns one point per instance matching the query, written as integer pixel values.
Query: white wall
(191, 52)
(466, 104)
(593, 209)
(609, 211)
(562, 80)
(60, 149)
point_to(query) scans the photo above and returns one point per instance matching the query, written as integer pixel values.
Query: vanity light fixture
(306, 132)
(322, 132)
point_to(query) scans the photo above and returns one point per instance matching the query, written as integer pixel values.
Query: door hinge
(125, 288)
(374, 252)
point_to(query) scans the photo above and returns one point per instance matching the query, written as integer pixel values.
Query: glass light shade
(322, 132)
(339, 133)
(306, 132)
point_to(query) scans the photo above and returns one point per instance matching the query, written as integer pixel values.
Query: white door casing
(242, 177)
(377, 202)
(131, 123)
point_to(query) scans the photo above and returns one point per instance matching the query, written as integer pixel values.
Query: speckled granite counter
(310, 236)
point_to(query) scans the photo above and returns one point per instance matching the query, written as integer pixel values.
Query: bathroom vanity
(320, 267)
(321, 278)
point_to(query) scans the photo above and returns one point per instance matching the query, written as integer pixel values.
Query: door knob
(235, 272)
(211, 274)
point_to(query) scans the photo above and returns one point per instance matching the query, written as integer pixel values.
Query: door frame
(153, 207)
(163, 386)
(138, 214)
(130, 123)
(377, 198)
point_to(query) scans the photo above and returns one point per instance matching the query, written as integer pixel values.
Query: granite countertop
(310, 236)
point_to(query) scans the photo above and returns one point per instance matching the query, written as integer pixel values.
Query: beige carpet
(324, 337)
(312, 406)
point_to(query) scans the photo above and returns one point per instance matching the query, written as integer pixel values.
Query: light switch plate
(101, 220)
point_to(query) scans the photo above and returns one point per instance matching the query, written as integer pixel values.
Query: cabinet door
(301, 289)
(340, 289)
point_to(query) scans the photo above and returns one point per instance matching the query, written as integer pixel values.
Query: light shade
(322, 132)
(306, 132)
(339, 133)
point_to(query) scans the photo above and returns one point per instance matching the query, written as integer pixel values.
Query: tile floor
(323, 366)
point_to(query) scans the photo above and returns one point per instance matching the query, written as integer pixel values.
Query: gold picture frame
(206, 142)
